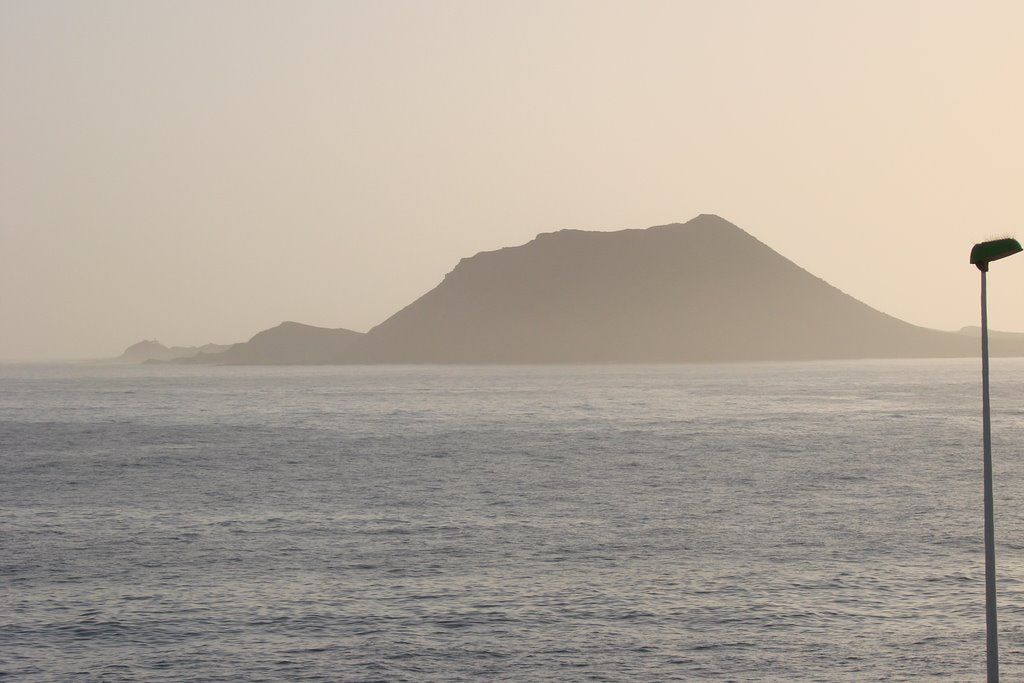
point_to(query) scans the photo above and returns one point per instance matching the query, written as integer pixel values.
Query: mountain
(704, 290)
(151, 349)
(289, 343)
(975, 331)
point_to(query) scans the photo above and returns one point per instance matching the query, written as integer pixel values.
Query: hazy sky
(198, 171)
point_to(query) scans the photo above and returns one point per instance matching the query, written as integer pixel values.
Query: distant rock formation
(975, 331)
(289, 343)
(700, 291)
(152, 350)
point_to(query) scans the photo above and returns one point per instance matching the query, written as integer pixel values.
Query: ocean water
(749, 522)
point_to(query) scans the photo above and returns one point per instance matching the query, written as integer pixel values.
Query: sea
(818, 521)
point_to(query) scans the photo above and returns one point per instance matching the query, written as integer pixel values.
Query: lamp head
(984, 252)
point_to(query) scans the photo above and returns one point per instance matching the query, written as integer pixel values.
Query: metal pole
(991, 629)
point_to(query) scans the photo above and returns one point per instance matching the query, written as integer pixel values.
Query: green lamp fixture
(984, 252)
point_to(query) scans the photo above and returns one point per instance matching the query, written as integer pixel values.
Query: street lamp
(981, 255)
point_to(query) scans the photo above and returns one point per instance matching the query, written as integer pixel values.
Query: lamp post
(981, 255)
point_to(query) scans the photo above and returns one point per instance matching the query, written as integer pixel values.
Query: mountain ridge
(151, 349)
(289, 343)
(699, 291)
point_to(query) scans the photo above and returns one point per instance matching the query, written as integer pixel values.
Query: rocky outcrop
(289, 343)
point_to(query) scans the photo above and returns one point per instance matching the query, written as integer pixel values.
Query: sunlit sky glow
(196, 171)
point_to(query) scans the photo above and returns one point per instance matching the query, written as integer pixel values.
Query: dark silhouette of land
(700, 291)
(975, 331)
(151, 349)
(289, 343)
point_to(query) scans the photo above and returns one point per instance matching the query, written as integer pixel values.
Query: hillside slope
(700, 291)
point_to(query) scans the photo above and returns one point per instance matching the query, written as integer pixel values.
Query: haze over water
(750, 522)
(200, 171)
(196, 171)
